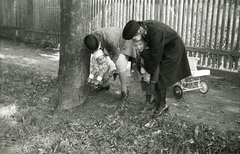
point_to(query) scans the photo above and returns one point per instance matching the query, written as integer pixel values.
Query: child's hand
(89, 81)
(143, 71)
(141, 62)
(146, 77)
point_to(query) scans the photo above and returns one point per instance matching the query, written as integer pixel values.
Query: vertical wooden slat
(206, 31)
(234, 23)
(136, 8)
(222, 36)
(217, 24)
(10, 12)
(1, 12)
(223, 25)
(126, 5)
(167, 12)
(207, 23)
(6, 14)
(93, 14)
(133, 10)
(40, 15)
(97, 13)
(156, 10)
(161, 10)
(187, 22)
(45, 16)
(130, 9)
(183, 20)
(201, 24)
(192, 23)
(17, 14)
(110, 12)
(196, 25)
(153, 4)
(149, 10)
(108, 15)
(170, 5)
(113, 12)
(212, 23)
(145, 10)
(142, 10)
(179, 17)
(175, 15)
(124, 13)
(37, 4)
(237, 47)
(4, 8)
(103, 15)
(214, 57)
(120, 13)
(164, 11)
(228, 25)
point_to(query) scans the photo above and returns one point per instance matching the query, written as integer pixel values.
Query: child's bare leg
(150, 91)
(121, 65)
(99, 78)
(106, 80)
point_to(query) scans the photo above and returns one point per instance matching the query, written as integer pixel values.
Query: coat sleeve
(112, 49)
(155, 51)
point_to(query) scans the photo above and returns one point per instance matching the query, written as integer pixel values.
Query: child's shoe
(98, 83)
(148, 98)
(89, 81)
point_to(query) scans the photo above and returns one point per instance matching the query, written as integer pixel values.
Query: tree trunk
(71, 90)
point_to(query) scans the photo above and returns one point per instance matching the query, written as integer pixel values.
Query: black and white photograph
(119, 76)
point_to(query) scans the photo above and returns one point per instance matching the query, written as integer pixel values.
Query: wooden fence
(209, 28)
(31, 20)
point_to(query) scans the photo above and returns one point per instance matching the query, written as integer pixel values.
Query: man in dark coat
(166, 50)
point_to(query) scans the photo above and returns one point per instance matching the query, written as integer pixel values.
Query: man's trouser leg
(160, 99)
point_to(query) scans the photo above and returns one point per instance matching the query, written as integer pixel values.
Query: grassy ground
(27, 125)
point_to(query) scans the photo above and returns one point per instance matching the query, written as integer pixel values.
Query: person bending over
(119, 50)
(166, 52)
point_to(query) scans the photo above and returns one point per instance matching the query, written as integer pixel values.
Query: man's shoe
(158, 112)
(124, 95)
(115, 76)
(102, 88)
(152, 102)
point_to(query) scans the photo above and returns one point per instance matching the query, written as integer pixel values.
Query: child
(101, 70)
(148, 81)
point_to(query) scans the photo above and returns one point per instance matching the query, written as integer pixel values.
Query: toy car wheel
(203, 87)
(178, 92)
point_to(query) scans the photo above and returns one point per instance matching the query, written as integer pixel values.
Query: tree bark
(71, 90)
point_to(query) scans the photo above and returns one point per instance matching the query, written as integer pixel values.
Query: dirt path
(29, 56)
(219, 108)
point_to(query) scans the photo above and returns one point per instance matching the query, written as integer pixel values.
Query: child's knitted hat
(98, 53)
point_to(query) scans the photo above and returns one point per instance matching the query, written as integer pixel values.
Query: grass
(29, 126)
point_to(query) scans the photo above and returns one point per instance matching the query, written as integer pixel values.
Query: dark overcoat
(167, 50)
